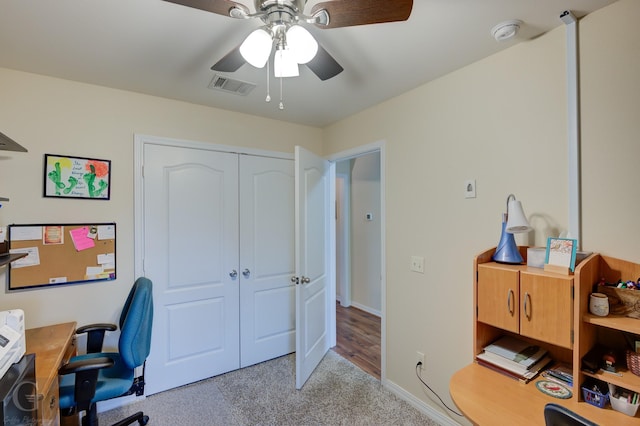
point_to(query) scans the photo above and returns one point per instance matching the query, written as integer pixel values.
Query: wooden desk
(489, 398)
(53, 345)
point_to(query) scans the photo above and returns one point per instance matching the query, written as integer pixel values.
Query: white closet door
(267, 295)
(190, 253)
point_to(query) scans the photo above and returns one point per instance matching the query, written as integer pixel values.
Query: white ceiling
(164, 49)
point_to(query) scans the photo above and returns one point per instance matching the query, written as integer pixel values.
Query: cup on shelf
(599, 304)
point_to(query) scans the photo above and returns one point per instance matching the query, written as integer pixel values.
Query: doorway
(359, 260)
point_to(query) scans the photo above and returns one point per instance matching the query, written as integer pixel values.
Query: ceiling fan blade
(221, 7)
(230, 62)
(323, 65)
(344, 13)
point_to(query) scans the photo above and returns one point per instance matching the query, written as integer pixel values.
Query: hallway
(358, 338)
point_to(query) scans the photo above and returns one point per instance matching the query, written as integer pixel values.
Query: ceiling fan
(282, 27)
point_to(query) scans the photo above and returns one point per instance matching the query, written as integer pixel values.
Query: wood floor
(358, 338)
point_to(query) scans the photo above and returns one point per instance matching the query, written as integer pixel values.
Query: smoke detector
(506, 30)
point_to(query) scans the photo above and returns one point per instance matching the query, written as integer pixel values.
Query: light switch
(470, 188)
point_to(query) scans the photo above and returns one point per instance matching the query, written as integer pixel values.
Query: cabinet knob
(233, 274)
(246, 273)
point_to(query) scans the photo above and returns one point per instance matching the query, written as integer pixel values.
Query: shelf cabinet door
(498, 297)
(546, 309)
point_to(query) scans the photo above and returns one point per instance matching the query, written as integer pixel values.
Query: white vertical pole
(573, 131)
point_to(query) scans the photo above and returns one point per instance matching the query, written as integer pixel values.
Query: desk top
(50, 344)
(489, 398)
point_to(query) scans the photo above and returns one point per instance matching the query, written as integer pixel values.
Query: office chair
(557, 415)
(98, 376)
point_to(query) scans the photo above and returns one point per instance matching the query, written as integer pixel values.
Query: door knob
(233, 274)
(246, 273)
(305, 280)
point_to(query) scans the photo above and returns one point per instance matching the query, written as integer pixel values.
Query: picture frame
(561, 252)
(66, 176)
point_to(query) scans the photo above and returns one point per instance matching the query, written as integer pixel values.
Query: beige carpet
(338, 393)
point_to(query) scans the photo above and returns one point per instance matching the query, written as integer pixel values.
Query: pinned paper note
(53, 234)
(32, 258)
(106, 232)
(81, 240)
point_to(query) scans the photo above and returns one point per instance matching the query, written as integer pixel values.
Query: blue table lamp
(514, 221)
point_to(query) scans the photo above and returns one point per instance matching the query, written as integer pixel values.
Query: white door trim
(379, 146)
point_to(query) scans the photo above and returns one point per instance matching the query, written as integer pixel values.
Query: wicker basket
(622, 301)
(633, 362)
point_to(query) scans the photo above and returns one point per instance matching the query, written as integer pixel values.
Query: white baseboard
(434, 414)
(366, 309)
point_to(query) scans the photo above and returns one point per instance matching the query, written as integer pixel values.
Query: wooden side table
(53, 345)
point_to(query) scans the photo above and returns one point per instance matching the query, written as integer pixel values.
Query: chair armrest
(86, 372)
(95, 335)
(81, 365)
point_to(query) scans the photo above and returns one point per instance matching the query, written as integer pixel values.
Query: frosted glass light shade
(516, 220)
(284, 64)
(256, 48)
(302, 44)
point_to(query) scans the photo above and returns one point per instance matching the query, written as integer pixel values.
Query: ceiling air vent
(230, 85)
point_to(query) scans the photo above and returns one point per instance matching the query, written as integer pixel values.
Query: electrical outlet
(417, 264)
(420, 358)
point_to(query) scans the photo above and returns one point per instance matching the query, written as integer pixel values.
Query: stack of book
(561, 374)
(515, 358)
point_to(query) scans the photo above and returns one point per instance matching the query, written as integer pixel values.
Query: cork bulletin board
(61, 254)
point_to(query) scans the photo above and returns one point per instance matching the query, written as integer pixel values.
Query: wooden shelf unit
(592, 329)
(587, 329)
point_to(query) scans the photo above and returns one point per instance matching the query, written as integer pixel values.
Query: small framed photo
(561, 252)
(76, 177)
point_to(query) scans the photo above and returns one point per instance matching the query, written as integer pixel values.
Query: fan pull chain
(281, 106)
(268, 98)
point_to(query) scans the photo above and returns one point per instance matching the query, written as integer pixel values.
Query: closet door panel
(191, 249)
(267, 296)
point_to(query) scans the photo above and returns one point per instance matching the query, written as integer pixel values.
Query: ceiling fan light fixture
(301, 43)
(284, 64)
(256, 48)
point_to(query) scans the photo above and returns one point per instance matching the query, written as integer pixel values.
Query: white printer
(12, 341)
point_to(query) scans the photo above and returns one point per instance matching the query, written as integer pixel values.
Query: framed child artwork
(76, 177)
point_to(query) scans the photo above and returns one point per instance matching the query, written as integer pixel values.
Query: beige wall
(503, 122)
(48, 115)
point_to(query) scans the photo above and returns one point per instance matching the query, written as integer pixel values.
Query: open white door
(315, 254)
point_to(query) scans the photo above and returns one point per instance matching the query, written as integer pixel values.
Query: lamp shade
(284, 65)
(256, 48)
(302, 44)
(516, 220)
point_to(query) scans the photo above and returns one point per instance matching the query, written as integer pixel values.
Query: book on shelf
(522, 377)
(560, 373)
(516, 350)
(490, 356)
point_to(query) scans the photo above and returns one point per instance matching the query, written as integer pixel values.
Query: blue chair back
(136, 321)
